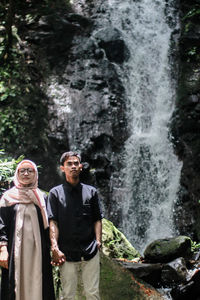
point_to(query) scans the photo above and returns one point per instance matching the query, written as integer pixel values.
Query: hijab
(23, 194)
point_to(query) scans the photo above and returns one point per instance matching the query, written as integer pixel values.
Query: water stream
(147, 187)
(152, 171)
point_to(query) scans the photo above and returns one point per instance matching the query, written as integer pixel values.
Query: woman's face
(26, 174)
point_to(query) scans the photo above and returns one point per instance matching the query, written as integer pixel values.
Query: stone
(174, 272)
(113, 44)
(117, 283)
(165, 250)
(150, 273)
(115, 244)
(188, 290)
(186, 121)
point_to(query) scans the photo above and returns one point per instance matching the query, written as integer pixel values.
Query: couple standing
(72, 217)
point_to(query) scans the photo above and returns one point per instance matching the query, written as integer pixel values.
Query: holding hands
(58, 257)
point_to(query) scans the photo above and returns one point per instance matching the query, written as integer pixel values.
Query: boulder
(174, 272)
(168, 249)
(115, 244)
(116, 283)
(150, 273)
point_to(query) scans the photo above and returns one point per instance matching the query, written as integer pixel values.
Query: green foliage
(21, 98)
(193, 54)
(115, 243)
(190, 16)
(19, 102)
(56, 279)
(195, 246)
(7, 169)
(192, 51)
(194, 12)
(8, 85)
(12, 110)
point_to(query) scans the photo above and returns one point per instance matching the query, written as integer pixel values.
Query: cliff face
(79, 60)
(186, 120)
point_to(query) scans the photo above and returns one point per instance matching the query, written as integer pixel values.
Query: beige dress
(28, 258)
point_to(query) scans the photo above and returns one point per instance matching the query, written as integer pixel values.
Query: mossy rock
(117, 283)
(115, 244)
(165, 250)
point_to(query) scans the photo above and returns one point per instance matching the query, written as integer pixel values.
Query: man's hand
(99, 245)
(4, 257)
(58, 257)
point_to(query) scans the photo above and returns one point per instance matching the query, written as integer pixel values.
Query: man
(75, 229)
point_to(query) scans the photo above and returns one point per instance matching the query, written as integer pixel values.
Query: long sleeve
(3, 225)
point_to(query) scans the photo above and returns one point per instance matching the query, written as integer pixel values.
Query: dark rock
(189, 290)
(165, 250)
(150, 273)
(174, 272)
(116, 51)
(113, 44)
(185, 122)
(79, 19)
(182, 292)
(79, 84)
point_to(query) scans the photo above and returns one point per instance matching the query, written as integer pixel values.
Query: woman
(24, 247)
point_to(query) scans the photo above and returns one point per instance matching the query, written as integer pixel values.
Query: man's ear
(81, 167)
(62, 168)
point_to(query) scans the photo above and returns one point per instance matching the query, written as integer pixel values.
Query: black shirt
(75, 209)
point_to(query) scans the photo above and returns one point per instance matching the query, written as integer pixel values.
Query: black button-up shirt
(75, 209)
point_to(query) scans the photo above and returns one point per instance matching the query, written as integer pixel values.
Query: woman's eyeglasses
(28, 170)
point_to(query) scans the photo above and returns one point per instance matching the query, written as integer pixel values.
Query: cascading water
(152, 171)
(146, 189)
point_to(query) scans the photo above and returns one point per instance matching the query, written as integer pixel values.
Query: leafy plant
(193, 54)
(195, 246)
(7, 169)
(195, 11)
(56, 279)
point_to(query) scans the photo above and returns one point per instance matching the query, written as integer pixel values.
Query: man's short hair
(66, 155)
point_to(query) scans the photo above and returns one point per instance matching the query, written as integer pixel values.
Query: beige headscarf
(25, 195)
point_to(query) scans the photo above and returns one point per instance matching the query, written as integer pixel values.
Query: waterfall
(152, 171)
(142, 197)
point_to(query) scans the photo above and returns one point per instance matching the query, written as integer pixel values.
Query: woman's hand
(4, 257)
(58, 257)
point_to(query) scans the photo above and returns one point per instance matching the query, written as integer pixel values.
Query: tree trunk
(8, 27)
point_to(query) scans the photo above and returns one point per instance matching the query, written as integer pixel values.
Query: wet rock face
(186, 123)
(111, 42)
(86, 99)
(94, 122)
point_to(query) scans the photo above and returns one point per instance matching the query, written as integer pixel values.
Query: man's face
(72, 167)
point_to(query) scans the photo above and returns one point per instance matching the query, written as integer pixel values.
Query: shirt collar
(71, 187)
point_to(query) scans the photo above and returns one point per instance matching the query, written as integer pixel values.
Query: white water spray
(152, 171)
